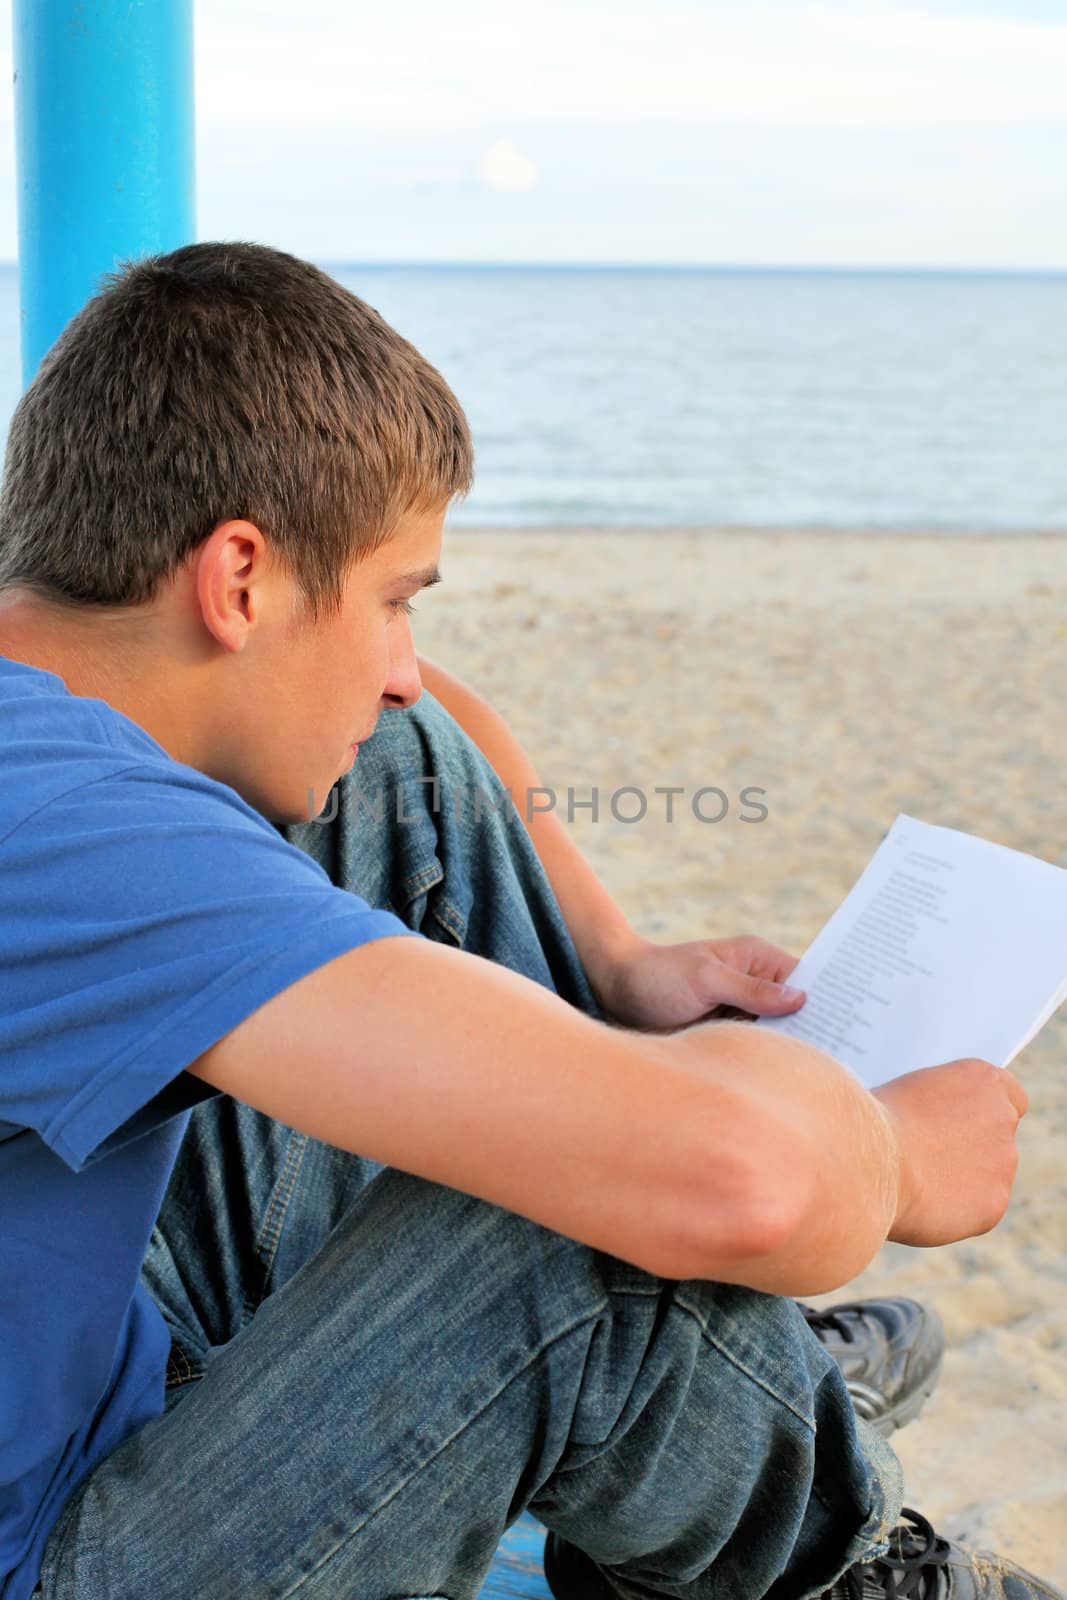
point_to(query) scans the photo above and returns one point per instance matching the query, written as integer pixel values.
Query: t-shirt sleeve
(142, 917)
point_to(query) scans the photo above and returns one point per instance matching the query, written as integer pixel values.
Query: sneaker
(571, 1574)
(889, 1351)
(920, 1566)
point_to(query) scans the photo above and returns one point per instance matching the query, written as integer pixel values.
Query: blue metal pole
(104, 148)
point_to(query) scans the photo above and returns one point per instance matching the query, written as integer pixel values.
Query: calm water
(749, 398)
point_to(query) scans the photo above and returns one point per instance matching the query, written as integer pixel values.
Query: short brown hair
(222, 380)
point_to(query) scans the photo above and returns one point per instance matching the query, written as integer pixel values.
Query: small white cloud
(503, 166)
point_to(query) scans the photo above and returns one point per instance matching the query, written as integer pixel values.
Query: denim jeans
(372, 1375)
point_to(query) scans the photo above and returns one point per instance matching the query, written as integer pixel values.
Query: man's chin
(291, 805)
(288, 810)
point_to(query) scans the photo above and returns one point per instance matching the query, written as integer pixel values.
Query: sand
(849, 677)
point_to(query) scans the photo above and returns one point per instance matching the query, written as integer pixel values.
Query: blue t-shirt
(145, 911)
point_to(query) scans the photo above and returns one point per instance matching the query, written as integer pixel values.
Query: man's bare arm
(636, 981)
(716, 1153)
(599, 927)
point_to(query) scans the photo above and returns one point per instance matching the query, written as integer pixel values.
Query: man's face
(326, 682)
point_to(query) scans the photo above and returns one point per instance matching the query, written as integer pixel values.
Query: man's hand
(955, 1127)
(655, 986)
(638, 983)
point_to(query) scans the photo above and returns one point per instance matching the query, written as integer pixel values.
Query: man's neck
(97, 657)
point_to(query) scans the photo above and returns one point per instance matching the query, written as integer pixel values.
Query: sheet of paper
(947, 946)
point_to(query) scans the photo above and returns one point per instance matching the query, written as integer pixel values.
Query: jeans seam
(182, 1368)
(266, 1245)
(450, 919)
(491, 1399)
(444, 1445)
(740, 1366)
(417, 883)
(862, 1548)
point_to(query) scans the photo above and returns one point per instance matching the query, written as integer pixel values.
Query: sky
(851, 132)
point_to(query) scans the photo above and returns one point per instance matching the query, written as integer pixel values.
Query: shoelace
(830, 1320)
(909, 1571)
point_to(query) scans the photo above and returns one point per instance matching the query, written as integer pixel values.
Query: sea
(655, 397)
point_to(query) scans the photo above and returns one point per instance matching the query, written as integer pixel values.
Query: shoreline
(751, 530)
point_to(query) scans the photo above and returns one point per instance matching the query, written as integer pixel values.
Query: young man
(338, 1224)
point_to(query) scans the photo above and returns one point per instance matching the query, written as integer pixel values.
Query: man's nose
(404, 684)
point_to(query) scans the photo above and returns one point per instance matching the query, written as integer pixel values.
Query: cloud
(503, 166)
(749, 130)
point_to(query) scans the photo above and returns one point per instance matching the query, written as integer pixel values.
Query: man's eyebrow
(422, 578)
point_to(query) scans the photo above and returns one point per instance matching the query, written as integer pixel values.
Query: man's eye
(402, 607)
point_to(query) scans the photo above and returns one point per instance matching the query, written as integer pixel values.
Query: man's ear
(232, 574)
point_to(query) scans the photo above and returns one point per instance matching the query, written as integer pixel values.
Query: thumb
(760, 996)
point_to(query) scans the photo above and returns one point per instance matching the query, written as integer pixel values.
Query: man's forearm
(598, 926)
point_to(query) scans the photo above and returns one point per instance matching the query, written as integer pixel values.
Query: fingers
(783, 964)
(1016, 1093)
(1005, 1080)
(1010, 1085)
(764, 959)
(760, 996)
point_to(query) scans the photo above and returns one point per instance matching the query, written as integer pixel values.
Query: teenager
(418, 1236)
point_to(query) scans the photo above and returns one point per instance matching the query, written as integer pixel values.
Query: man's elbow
(731, 1227)
(776, 1230)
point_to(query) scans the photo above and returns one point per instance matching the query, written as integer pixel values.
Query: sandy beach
(849, 677)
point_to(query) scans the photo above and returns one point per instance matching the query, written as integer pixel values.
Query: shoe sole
(906, 1409)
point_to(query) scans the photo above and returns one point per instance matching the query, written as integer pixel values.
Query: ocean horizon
(669, 395)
